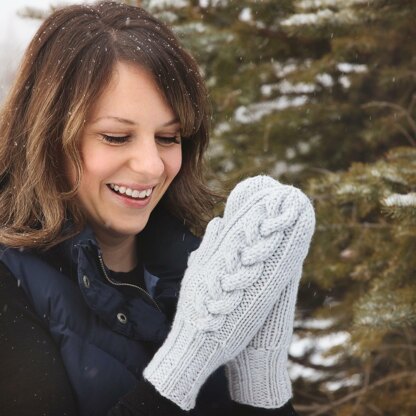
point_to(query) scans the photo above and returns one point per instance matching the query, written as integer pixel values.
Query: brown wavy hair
(63, 72)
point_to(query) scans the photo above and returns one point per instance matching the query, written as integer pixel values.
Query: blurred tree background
(322, 94)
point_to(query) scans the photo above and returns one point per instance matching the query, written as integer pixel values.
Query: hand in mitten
(258, 375)
(245, 261)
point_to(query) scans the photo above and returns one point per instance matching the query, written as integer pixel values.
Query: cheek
(173, 163)
(96, 165)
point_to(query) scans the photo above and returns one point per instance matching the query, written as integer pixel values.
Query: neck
(119, 253)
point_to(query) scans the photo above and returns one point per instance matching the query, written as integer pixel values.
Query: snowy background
(16, 32)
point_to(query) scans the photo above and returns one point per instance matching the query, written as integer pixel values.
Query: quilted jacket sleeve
(33, 380)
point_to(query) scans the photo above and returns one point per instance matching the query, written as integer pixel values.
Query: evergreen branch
(374, 408)
(406, 134)
(394, 106)
(304, 362)
(358, 225)
(324, 409)
(302, 393)
(307, 408)
(390, 347)
(326, 197)
(319, 170)
(412, 103)
(271, 33)
(367, 375)
(409, 339)
(409, 72)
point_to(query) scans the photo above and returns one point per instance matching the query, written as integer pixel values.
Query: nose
(145, 159)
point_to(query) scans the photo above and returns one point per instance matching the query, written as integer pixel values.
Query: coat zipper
(115, 283)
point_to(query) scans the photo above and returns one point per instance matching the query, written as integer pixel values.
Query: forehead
(131, 93)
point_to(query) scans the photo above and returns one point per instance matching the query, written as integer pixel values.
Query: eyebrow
(132, 123)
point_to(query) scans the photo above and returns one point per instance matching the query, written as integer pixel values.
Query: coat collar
(165, 244)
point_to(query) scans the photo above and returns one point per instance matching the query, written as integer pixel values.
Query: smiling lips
(132, 193)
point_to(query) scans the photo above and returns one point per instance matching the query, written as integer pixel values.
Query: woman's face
(131, 152)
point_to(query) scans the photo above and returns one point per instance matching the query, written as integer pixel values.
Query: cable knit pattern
(245, 262)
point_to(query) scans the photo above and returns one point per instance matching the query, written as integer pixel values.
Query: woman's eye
(168, 139)
(115, 139)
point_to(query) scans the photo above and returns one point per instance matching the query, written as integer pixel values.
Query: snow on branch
(400, 200)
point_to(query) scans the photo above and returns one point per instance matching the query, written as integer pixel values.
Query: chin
(122, 230)
(131, 230)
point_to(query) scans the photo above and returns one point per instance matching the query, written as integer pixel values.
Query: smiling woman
(131, 153)
(62, 75)
(102, 141)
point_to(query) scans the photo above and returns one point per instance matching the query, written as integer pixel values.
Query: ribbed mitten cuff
(183, 363)
(258, 377)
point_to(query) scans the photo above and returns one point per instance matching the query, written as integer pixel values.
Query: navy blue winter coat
(106, 333)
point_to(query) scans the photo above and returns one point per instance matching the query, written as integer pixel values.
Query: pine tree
(362, 262)
(286, 96)
(322, 93)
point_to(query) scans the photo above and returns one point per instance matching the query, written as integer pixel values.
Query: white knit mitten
(243, 265)
(258, 375)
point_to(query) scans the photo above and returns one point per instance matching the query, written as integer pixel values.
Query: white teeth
(134, 193)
